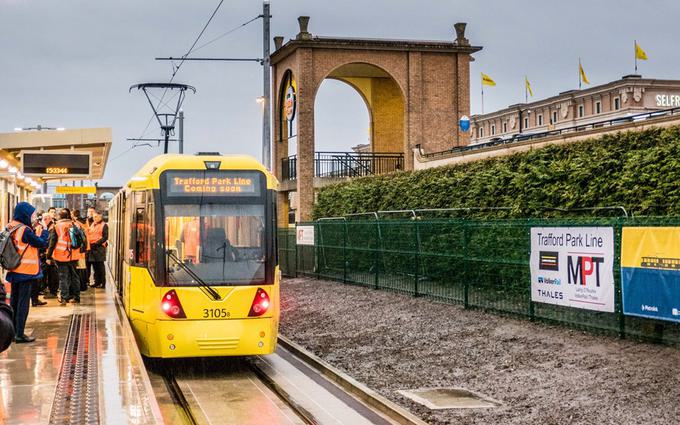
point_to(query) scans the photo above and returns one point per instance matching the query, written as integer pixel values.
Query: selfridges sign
(668, 100)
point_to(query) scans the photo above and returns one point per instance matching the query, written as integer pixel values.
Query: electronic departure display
(213, 183)
(56, 163)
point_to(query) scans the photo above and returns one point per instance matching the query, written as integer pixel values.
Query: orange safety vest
(30, 263)
(62, 250)
(79, 253)
(95, 232)
(191, 236)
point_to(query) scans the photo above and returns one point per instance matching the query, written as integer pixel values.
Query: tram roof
(148, 175)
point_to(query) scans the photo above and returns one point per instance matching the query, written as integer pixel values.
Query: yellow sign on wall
(76, 190)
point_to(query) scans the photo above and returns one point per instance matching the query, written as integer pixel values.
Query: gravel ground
(542, 374)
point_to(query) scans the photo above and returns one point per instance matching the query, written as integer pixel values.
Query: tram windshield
(215, 244)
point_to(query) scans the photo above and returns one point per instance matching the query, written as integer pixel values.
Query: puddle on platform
(449, 398)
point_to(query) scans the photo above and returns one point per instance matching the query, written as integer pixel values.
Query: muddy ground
(542, 374)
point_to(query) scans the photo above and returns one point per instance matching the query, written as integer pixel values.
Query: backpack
(77, 237)
(9, 256)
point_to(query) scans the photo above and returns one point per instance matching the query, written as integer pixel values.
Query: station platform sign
(76, 190)
(56, 164)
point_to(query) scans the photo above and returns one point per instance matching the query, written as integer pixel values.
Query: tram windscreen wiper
(207, 289)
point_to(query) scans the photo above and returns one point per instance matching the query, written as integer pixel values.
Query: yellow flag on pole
(639, 53)
(582, 73)
(487, 81)
(527, 84)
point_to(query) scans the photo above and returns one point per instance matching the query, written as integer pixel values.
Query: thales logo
(549, 280)
(650, 308)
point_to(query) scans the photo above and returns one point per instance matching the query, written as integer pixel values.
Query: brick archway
(415, 91)
(384, 99)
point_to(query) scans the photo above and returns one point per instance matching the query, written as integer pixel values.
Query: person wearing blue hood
(23, 277)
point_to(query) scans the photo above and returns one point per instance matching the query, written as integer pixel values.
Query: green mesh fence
(477, 263)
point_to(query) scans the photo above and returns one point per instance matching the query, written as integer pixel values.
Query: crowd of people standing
(61, 255)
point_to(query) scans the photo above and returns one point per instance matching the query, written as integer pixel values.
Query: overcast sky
(70, 63)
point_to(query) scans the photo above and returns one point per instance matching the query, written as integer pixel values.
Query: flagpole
(482, 85)
(635, 53)
(579, 73)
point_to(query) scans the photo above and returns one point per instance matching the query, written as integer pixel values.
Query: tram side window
(127, 235)
(141, 238)
(151, 238)
(140, 234)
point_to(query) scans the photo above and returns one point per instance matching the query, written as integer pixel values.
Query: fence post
(376, 258)
(344, 252)
(466, 285)
(295, 251)
(531, 303)
(417, 258)
(618, 286)
(317, 239)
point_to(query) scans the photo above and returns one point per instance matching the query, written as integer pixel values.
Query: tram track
(178, 398)
(288, 387)
(303, 413)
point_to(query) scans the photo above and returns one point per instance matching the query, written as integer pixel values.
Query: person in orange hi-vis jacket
(60, 251)
(27, 243)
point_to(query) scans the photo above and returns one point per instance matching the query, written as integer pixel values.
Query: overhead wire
(129, 149)
(193, 48)
(174, 73)
(219, 37)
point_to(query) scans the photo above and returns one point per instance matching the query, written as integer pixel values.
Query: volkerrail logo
(549, 280)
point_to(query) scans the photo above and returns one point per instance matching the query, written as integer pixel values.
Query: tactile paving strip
(76, 398)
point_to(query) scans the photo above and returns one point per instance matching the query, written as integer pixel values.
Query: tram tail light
(171, 305)
(260, 304)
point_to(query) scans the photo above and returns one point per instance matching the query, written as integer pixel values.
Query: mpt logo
(579, 269)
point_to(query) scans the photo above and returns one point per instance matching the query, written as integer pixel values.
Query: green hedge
(637, 170)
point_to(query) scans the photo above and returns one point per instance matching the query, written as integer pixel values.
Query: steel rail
(303, 413)
(352, 387)
(178, 397)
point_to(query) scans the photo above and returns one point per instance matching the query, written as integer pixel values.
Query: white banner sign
(304, 235)
(573, 266)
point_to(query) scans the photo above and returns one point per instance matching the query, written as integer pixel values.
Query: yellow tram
(193, 256)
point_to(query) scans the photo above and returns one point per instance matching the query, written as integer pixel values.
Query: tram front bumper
(204, 338)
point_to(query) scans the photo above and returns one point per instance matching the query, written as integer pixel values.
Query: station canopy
(61, 145)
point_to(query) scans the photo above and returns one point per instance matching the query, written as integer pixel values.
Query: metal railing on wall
(528, 136)
(478, 263)
(346, 164)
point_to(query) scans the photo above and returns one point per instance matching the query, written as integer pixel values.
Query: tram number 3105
(215, 313)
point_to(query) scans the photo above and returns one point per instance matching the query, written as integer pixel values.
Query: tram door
(141, 258)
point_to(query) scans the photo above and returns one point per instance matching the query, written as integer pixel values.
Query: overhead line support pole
(180, 137)
(266, 74)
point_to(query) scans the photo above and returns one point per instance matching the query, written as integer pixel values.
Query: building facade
(628, 96)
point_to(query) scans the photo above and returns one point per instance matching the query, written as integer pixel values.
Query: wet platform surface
(29, 373)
